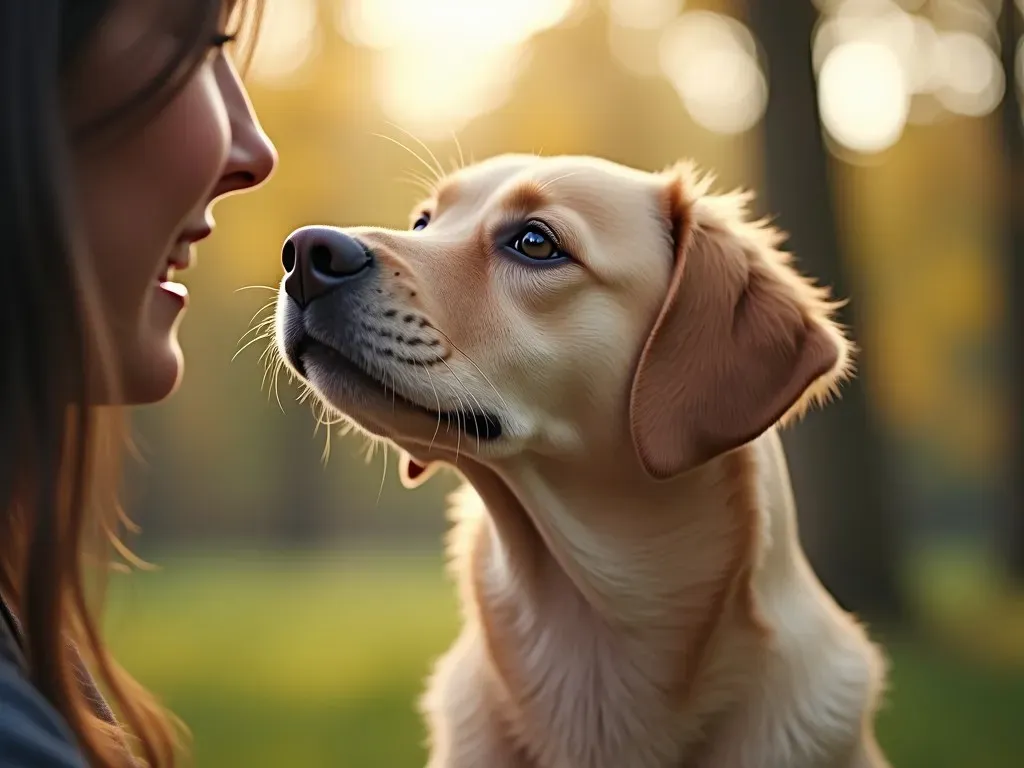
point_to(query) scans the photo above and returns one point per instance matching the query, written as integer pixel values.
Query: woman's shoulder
(32, 733)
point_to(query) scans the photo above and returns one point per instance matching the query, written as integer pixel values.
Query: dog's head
(559, 306)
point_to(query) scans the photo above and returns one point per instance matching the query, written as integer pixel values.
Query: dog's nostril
(320, 255)
(288, 256)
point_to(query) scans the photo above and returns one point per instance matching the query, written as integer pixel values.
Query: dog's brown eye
(422, 221)
(535, 244)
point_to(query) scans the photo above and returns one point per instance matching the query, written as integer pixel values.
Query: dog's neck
(610, 583)
(639, 552)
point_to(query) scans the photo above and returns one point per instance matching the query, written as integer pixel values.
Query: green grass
(312, 661)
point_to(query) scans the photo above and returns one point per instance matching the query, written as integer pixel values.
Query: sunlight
(280, 55)
(863, 96)
(469, 24)
(710, 59)
(458, 94)
(440, 64)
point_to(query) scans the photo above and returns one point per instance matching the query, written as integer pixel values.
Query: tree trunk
(1011, 535)
(300, 517)
(837, 456)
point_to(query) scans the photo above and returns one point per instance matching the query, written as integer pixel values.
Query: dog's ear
(414, 473)
(741, 340)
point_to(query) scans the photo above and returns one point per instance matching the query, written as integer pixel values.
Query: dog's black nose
(319, 259)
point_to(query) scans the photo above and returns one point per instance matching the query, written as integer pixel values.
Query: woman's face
(145, 200)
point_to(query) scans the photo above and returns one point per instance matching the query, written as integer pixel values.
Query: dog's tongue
(415, 469)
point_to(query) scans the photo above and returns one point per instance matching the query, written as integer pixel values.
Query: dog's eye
(422, 221)
(536, 244)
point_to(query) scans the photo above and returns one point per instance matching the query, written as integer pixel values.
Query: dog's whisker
(460, 414)
(458, 145)
(269, 358)
(421, 182)
(383, 475)
(256, 288)
(469, 394)
(417, 185)
(430, 380)
(396, 142)
(263, 325)
(544, 185)
(266, 369)
(429, 151)
(277, 378)
(325, 455)
(473, 363)
(463, 386)
(458, 433)
(266, 306)
(249, 344)
(270, 354)
(272, 370)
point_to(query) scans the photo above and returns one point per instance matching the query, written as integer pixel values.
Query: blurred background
(299, 599)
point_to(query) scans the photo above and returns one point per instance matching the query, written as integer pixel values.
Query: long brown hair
(60, 452)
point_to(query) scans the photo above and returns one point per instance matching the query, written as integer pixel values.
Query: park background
(298, 601)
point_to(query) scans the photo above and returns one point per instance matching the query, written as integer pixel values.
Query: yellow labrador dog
(605, 355)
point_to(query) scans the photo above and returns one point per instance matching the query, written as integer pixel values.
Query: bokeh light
(634, 32)
(710, 59)
(643, 14)
(863, 96)
(946, 60)
(974, 79)
(281, 55)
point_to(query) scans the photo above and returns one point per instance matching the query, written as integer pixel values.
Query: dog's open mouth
(477, 424)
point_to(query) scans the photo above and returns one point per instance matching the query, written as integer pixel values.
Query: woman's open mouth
(165, 281)
(474, 423)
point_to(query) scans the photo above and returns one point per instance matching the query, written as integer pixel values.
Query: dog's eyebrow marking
(525, 197)
(445, 193)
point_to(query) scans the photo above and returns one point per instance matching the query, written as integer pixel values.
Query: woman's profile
(123, 121)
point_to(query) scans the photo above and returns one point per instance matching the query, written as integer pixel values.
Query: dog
(606, 355)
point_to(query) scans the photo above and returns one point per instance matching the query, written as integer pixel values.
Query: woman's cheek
(197, 140)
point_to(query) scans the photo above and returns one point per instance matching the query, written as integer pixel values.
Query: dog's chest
(582, 693)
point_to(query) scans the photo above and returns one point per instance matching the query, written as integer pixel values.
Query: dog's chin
(376, 407)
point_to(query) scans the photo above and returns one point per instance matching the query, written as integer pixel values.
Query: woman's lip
(176, 290)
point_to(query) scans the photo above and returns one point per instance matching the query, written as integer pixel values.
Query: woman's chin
(154, 376)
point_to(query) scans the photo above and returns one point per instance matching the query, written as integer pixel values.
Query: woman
(123, 120)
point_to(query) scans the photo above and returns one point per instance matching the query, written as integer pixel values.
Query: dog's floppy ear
(741, 340)
(414, 473)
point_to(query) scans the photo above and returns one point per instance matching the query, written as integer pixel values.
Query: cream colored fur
(610, 619)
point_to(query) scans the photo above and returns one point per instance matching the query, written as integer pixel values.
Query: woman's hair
(59, 456)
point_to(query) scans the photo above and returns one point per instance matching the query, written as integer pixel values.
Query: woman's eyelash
(221, 39)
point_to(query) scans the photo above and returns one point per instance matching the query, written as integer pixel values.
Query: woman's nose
(252, 156)
(251, 159)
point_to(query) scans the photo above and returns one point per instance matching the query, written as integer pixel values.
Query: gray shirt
(32, 733)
